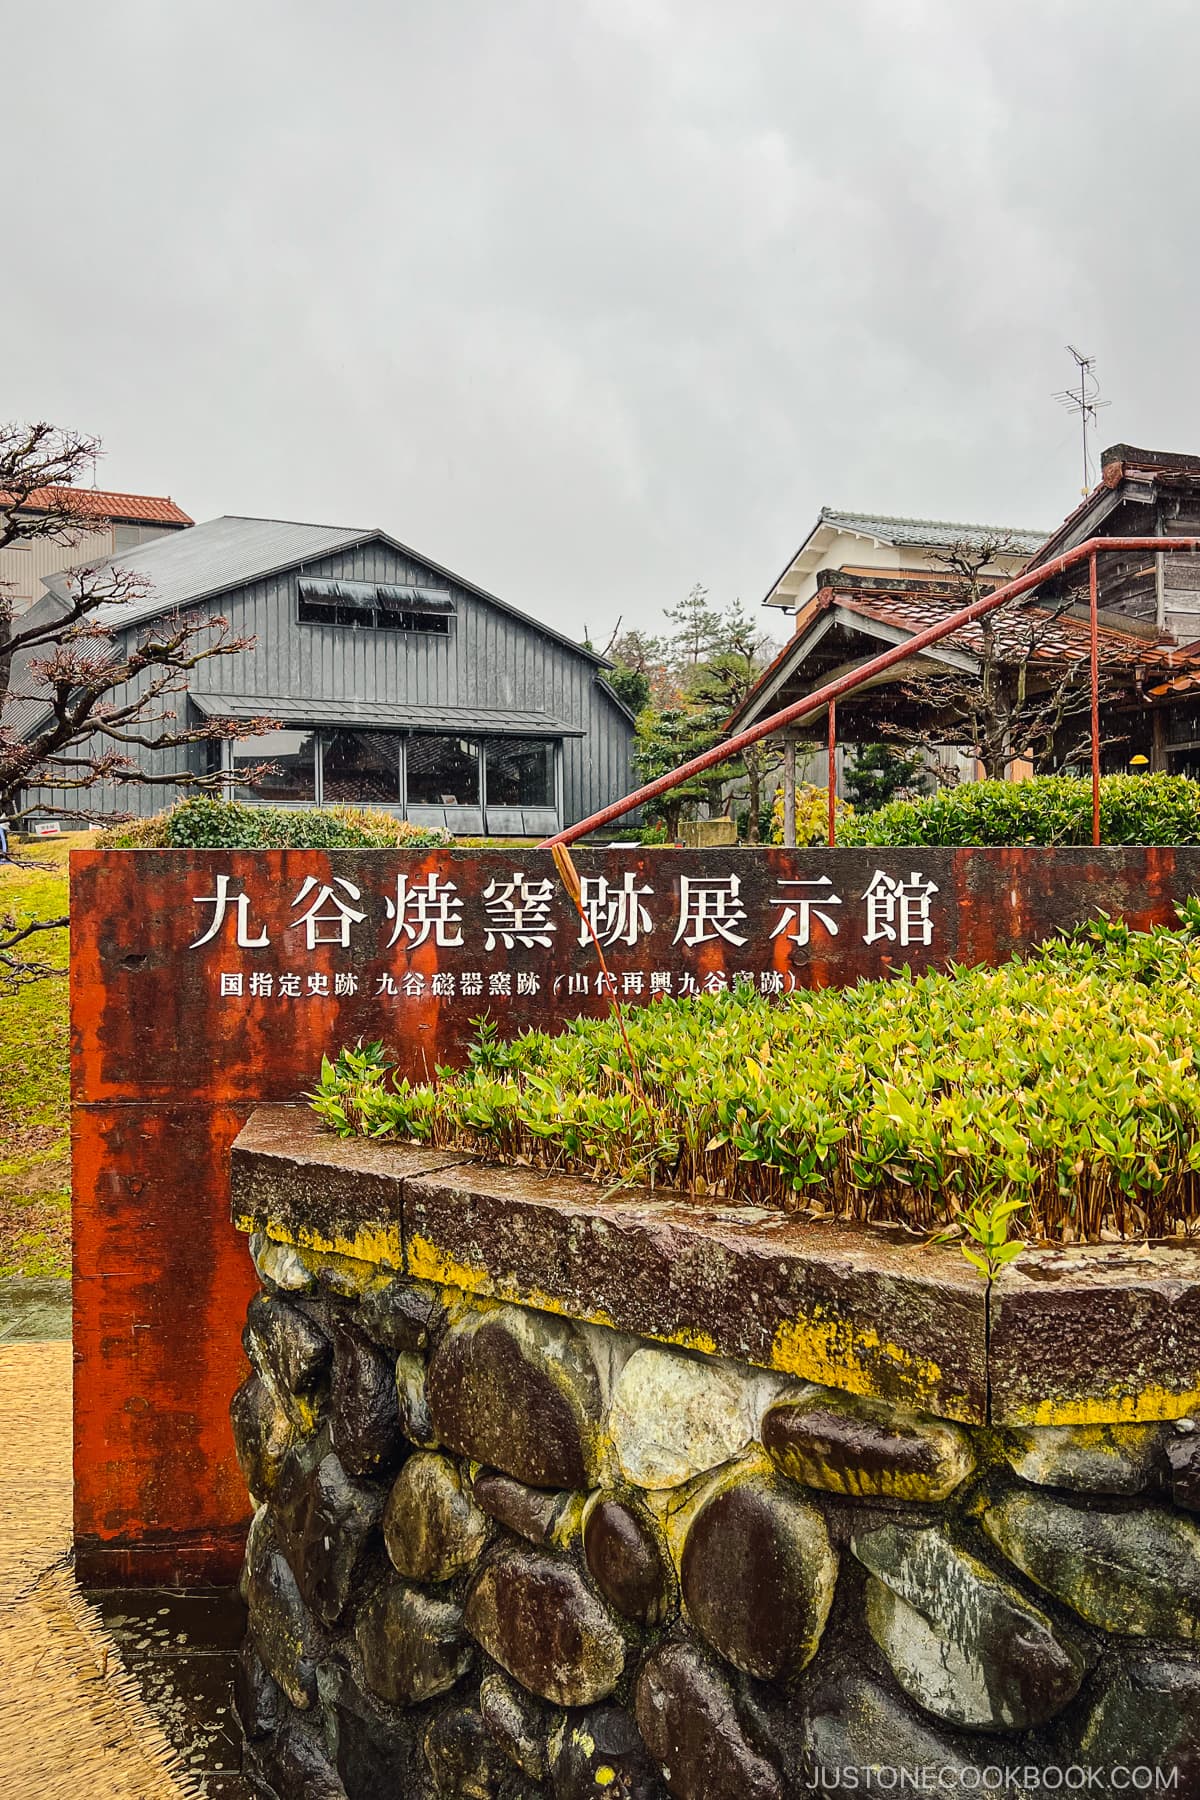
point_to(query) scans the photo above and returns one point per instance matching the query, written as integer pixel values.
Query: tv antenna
(1086, 402)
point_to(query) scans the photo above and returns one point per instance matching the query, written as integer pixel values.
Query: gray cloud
(594, 300)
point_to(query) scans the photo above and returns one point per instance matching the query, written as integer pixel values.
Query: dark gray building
(396, 683)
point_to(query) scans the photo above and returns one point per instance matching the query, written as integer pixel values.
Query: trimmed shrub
(1065, 1082)
(1049, 809)
(206, 824)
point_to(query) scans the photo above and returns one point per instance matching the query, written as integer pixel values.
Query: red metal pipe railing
(833, 691)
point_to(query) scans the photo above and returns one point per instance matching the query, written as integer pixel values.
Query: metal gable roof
(186, 566)
(206, 560)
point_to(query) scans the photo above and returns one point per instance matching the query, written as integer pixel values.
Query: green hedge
(1065, 1082)
(204, 824)
(1050, 809)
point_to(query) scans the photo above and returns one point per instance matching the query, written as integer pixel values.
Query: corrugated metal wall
(489, 659)
(22, 566)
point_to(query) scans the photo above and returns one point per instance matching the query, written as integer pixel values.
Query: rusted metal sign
(204, 982)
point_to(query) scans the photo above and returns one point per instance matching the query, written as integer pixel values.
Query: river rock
(464, 1759)
(520, 1723)
(286, 1347)
(518, 1390)
(849, 1445)
(282, 1629)
(962, 1643)
(280, 1267)
(1134, 1572)
(600, 1753)
(378, 1748)
(628, 1559)
(758, 1573)
(416, 1420)
(401, 1315)
(855, 1730)
(1089, 1459)
(365, 1418)
(262, 1435)
(533, 1513)
(1148, 1714)
(324, 1522)
(432, 1527)
(258, 1698)
(689, 1720)
(411, 1643)
(674, 1416)
(294, 1761)
(1183, 1464)
(536, 1617)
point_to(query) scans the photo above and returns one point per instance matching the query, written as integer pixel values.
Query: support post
(831, 773)
(1094, 624)
(789, 792)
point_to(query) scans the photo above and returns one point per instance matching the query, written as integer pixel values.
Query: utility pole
(1086, 402)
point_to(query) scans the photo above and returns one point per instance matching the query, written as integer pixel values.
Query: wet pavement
(34, 1311)
(180, 1647)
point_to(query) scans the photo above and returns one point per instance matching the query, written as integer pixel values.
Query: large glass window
(294, 777)
(361, 767)
(520, 772)
(442, 771)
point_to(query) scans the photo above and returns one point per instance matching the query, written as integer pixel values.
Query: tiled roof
(1059, 637)
(930, 532)
(130, 509)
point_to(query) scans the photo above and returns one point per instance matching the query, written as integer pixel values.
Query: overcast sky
(594, 299)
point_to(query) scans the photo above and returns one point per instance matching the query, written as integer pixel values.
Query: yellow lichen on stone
(1146, 1406)
(855, 1359)
(370, 1246)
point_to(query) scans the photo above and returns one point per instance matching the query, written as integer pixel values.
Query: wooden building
(395, 683)
(1149, 636)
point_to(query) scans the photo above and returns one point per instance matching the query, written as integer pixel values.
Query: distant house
(396, 683)
(1149, 605)
(872, 543)
(858, 583)
(122, 521)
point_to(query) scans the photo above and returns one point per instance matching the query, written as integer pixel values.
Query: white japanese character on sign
(770, 982)
(687, 984)
(471, 984)
(661, 981)
(443, 984)
(716, 982)
(500, 985)
(345, 984)
(385, 985)
(709, 909)
(261, 986)
(341, 918)
(230, 984)
(899, 910)
(413, 984)
(632, 981)
(527, 983)
(289, 987)
(799, 908)
(429, 905)
(518, 912)
(318, 984)
(220, 905)
(616, 914)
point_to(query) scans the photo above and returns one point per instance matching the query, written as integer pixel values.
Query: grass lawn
(35, 1180)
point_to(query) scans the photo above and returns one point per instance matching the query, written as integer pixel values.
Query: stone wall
(499, 1552)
